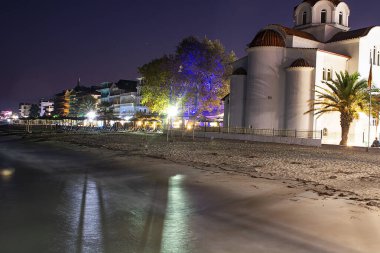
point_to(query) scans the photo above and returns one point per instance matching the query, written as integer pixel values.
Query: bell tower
(322, 18)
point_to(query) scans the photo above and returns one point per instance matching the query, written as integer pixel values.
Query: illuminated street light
(91, 115)
(172, 111)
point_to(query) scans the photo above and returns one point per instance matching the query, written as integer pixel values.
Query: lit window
(304, 18)
(329, 75)
(341, 18)
(323, 16)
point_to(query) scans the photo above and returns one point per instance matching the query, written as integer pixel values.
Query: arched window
(324, 74)
(341, 18)
(329, 75)
(304, 18)
(323, 16)
(378, 58)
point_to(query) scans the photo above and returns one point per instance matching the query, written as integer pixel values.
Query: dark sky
(46, 45)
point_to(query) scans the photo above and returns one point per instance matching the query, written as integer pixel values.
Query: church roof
(294, 32)
(268, 38)
(354, 34)
(313, 2)
(300, 63)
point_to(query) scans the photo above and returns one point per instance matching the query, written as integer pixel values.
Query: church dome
(313, 2)
(300, 63)
(268, 38)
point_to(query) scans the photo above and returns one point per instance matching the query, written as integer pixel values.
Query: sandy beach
(226, 196)
(335, 172)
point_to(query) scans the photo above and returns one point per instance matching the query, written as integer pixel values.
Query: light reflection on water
(6, 173)
(176, 233)
(92, 238)
(82, 218)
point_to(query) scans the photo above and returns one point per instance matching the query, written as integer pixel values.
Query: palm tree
(347, 95)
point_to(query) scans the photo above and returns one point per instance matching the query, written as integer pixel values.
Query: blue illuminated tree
(196, 77)
(205, 68)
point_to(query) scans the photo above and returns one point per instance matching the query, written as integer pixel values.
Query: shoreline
(324, 171)
(256, 211)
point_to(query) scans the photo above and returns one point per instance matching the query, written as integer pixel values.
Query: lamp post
(172, 111)
(91, 115)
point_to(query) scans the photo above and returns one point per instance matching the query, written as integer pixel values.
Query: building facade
(24, 110)
(46, 108)
(62, 103)
(272, 85)
(123, 98)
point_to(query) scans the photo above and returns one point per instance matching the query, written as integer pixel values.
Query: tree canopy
(195, 77)
(86, 104)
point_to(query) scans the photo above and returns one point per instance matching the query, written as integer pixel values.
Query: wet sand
(173, 207)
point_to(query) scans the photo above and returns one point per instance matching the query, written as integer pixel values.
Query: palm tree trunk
(345, 122)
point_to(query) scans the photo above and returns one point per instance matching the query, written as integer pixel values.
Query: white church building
(272, 84)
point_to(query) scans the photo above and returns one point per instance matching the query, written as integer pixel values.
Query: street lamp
(172, 111)
(91, 115)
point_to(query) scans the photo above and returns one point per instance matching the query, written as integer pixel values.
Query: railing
(301, 134)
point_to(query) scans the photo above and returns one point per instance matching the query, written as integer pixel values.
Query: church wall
(237, 100)
(226, 106)
(329, 121)
(366, 45)
(299, 90)
(349, 48)
(265, 88)
(304, 43)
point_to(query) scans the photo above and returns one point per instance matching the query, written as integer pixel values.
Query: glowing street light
(91, 115)
(172, 111)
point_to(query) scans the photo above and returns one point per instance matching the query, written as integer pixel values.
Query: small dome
(313, 2)
(300, 63)
(268, 38)
(239, 72)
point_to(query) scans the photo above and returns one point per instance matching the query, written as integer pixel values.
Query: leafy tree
(86, 104)
(196, 77)
(205, 72)
(34, 111)
(347, 95)
(156, 84)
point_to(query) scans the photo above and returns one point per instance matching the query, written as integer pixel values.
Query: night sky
(46, 45)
